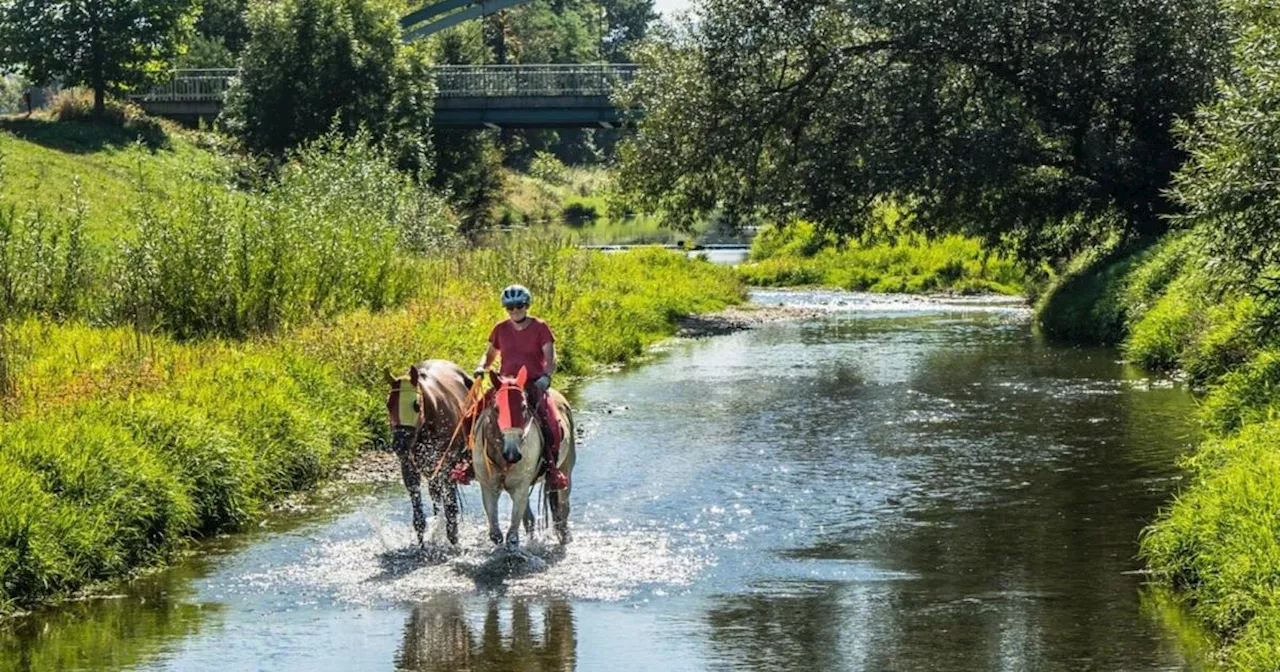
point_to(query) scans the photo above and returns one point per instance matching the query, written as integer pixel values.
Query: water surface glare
(898, 484)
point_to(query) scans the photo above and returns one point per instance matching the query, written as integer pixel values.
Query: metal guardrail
(452, 81)
(204, 85)
(470, 81)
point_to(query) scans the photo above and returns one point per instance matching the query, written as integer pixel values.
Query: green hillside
(42, 160)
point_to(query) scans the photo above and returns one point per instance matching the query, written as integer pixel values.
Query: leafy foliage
(988, 118)
(311, 66)
(11, 88)
(1229, 187)
(108, 45)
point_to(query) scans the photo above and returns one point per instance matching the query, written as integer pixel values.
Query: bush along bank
(169, 374)
(1218, 543)
(800, 254)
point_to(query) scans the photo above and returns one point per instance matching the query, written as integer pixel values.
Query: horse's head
(406, 409)
(513, 415)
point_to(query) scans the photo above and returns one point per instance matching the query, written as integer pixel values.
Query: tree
(628, 22)
(311, 66)
(108, 45)
(468, 162)
(11, 89)
(221, 33)
(1229, 188)
(989, 117)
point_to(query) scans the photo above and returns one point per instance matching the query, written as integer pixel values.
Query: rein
(472, 403)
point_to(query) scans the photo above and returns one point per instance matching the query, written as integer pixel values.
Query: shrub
(548, 168)
(579, 213)
(76, 104)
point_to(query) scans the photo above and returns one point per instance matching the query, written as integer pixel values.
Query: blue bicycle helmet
(516, 295)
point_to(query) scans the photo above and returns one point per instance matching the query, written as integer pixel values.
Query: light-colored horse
(425, 409)
(506, 449)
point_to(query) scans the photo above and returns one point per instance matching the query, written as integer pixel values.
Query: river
(895, 484)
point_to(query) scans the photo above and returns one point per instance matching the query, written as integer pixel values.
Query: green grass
(799, 255)
(1218, 543)
(46, 163)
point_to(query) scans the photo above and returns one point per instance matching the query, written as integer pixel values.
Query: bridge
(468, 96)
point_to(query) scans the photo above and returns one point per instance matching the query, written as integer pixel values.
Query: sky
(668, 7)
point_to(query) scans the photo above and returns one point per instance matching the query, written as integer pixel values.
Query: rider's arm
(487, 360)
(549, 356)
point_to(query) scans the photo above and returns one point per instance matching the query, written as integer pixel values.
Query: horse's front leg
(519, 507)
(413, 483)
(489, 495)
(445, 494)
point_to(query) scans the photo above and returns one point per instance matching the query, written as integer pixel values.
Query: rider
(525, 341)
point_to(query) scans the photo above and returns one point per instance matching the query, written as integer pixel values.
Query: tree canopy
(1230, 187)
(993, 118)
(311, 66)
(109, 45)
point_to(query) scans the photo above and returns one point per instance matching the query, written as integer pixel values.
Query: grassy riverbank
(573, 201)
(1219, 542)
(218, 348)
(800, 255)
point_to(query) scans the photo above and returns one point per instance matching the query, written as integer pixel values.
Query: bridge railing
(452, 81)
(192, 85)
(470, 81)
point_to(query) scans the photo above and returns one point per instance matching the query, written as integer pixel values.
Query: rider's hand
(543, 382)
(479, 373)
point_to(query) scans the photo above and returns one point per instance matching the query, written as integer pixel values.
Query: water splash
(382, 567)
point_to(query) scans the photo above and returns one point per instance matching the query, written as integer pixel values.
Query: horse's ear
(522, 377)
(494, 379)
(413, 374)
(386, 375)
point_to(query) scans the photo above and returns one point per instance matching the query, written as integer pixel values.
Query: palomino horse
(506, 449)
(425, 409)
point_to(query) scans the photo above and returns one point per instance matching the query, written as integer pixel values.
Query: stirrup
(556, 479)
(461, 472)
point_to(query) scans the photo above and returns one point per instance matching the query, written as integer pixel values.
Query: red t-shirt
(522, 347)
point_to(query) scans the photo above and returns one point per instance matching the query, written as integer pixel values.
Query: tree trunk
(99, 65)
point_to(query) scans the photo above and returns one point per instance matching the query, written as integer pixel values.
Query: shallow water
(900, 484)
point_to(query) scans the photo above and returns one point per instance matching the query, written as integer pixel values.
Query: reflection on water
(439, 636)
(901, 484)
(116, 632)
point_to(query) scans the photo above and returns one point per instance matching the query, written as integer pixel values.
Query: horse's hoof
(513, 542)
(495, 537)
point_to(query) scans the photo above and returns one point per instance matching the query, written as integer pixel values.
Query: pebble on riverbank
(738, 318)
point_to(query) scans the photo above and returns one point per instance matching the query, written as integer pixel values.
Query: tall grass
(328, 236)
(800, 254)
(337, 229)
